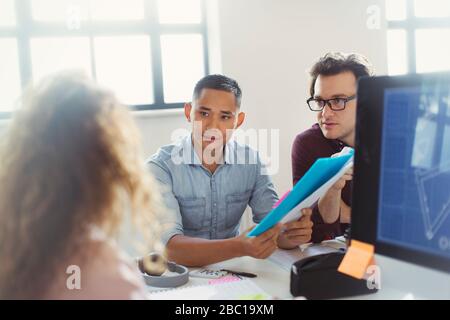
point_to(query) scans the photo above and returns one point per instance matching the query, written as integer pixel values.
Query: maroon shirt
(308, 146)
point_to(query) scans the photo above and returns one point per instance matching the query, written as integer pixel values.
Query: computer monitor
(401, 188)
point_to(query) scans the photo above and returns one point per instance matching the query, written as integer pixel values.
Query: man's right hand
(330, 203)
(340, 184)
(262, 246)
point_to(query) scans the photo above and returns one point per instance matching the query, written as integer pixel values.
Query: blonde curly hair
(70, 159)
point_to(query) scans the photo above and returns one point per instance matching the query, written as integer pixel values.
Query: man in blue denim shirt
(208, 179)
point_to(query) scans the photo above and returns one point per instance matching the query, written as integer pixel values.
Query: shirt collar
(189, 155)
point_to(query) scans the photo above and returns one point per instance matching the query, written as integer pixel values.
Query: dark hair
(336, 62)
(218, 82)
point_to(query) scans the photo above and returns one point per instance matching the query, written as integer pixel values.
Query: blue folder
(320, 172)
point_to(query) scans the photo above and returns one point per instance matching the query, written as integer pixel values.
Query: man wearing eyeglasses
(333, 99)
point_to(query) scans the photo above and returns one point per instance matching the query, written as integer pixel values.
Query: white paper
(237, 290)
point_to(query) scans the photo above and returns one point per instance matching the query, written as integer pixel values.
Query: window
(131, 61)
(150, 52)
(417, 36)
(52, 54)
(9, 74)
(176, 11)
(7, 13)
(177, 84)
(432, 50)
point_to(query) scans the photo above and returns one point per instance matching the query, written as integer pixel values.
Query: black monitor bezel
(370, 108)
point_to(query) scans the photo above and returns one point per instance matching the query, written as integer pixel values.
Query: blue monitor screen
(414, 204)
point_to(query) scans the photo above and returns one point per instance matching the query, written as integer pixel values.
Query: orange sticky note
(357, 258)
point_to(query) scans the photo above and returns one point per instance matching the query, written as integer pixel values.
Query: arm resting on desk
(196, 252)
(200, 252)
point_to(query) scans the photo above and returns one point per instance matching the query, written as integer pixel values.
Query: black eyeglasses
(335, 104)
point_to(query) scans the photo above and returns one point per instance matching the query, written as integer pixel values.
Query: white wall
(157, 127)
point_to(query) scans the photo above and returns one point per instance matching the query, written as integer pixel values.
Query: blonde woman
(71, 170)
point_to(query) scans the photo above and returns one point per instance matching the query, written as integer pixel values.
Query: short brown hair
(336, 62)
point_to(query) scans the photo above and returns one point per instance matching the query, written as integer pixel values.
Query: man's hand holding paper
(330, 205)
(322, 175)
(340, 184)
(297, 232)
(259, 247)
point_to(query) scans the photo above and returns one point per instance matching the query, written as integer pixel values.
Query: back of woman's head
(70, 161)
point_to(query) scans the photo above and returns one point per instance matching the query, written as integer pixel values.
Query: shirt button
(215, 204)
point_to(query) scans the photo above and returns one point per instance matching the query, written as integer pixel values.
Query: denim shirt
(209, 205)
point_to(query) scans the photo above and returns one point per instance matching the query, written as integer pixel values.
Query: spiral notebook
(235, 290)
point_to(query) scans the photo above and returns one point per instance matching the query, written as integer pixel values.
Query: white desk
(399, 280)
(270, 277)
